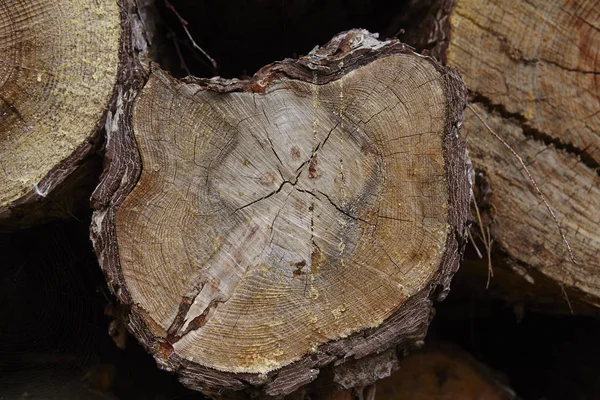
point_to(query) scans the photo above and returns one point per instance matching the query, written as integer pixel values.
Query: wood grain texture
(541, 62)
(533, 71)
(57, 74)
(282, 223)
(518, 220)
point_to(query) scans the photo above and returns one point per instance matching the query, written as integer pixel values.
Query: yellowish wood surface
(287, 219)
(58, 65)
(534, 70)
(538, 59)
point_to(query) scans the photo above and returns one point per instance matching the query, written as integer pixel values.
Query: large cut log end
(300, 220)
(59, 67)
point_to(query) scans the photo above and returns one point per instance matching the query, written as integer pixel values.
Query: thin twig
(564, 292)
(486, 243)
(184, 24)
(489, 255)
(533, 182)
(182, 63)
(474, 244)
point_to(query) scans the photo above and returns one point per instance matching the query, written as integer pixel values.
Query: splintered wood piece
(57, 74)
(303, 217)
(533, 68)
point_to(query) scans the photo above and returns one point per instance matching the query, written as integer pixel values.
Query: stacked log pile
(288, 234)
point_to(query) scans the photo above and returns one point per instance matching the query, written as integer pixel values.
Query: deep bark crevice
(530, 132)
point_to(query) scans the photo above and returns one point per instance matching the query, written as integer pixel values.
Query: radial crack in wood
(58, 69)
(282, 223)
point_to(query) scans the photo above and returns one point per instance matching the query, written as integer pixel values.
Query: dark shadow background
(54, 341)
(243, 36)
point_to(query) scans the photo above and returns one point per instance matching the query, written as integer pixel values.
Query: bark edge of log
(349, 357)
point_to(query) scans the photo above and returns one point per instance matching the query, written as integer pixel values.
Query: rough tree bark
(58, 70)
(533, 71)
(261, 231)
